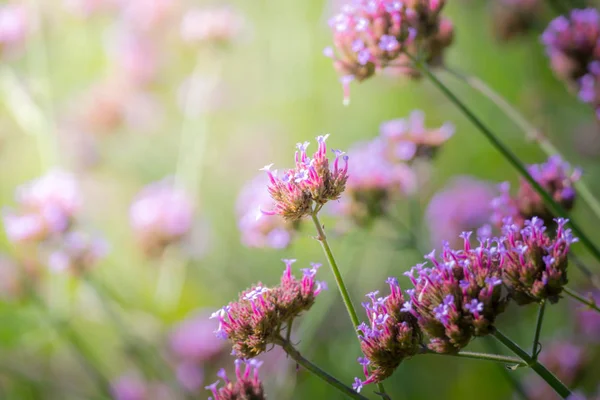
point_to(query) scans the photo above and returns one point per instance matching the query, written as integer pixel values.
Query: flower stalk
(508, 154)
(542, 371)
(588, 302)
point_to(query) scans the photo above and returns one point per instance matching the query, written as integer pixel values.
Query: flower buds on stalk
(534, 265)
(247, 386)
(459, 296)
(311, 184)
(391, 335)
(257, 318)
(554, 176)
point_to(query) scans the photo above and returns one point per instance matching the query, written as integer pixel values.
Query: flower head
(77, 252)
(589, 87)
(247, 385)
(534, 264)
(572, 42)
(193, 339)
(14, 26)
(255, 320)
(257, 229)
(371, 34)
(459, 296)
(462, 205)
(160, 215)
(408, 138)
(373, 182)
(390, 336)
(312, 183)
(47, 207)
(554, 176)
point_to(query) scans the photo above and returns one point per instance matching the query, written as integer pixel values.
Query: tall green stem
(483, 356)
(508, 154)
(538, 330)
(542, 371)
(322, 238)
(588, 302)
(531, 131)
(309, 366)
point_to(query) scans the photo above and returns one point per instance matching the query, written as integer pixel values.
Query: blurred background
(196, 97)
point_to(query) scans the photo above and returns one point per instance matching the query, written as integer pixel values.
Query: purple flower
(587, 322)
(255, 320)
(77, 252)
(14, 26)
(247, 383)
(310, 185)
(160, 215)
(193, 339)
(46, 206)
(462, 205)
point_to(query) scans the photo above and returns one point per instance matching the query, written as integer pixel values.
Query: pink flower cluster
(573, 45)
(47, 206)
(255, 320)
(371, 35)
(161, 215)
(306, 188)
(247, 384)
(555, 176)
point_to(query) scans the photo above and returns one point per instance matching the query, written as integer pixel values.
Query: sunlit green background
(278, 89)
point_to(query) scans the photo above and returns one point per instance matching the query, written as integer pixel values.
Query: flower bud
(246, 387)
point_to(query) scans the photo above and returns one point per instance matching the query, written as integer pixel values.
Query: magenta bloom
(133, 387)
(408, 138)
(257, 229)
(255, 320)
(160, 215)
(246, 386)
(306, 188)
(555, 176)
(534, 265)
(46, 207)
(459, 296)
(462, 205)
(374, 182)
(391, 335)
(77, 252)
(572, 43)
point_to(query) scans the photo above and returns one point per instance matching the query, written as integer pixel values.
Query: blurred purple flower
(462, 205)
(374, 182)
(194, 340)
(160, 215)
(408, 138)
(46, 206)
(132, 387)
(587, 322)
(14, 27)
(259, 230)
(77, 252)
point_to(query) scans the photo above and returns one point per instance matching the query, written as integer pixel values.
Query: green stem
(538, 330)
(483, 356)
(296, 356)
(508, 154)
(588, 302)
(80, 351)
(531, 131)
(542, 371)
(322, 238)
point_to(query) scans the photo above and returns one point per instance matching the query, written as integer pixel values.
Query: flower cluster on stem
(310, 185)
(247, 385)
(257, 318)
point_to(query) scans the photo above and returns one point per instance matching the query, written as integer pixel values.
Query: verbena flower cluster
(311, 184)
(381, 172)
(259, 230)
(45, 220)
(390, 336)
(573, 45)
(247, 385)
(257, 318)
(371, 35)
(459, 295)
(160, 215)
(555, 176)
